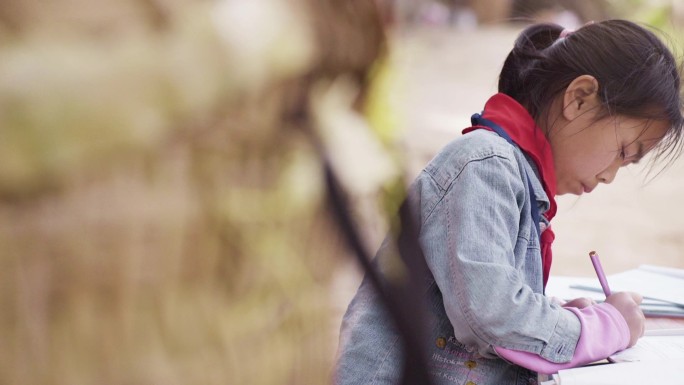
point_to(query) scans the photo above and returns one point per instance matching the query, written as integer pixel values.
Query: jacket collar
(521, 127)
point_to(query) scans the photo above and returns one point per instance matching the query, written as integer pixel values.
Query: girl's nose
(608, 175)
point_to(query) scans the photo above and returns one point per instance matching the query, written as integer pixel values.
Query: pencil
(599, 272)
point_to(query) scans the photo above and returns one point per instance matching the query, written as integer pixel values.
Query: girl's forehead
(646, 133)
(641, 126)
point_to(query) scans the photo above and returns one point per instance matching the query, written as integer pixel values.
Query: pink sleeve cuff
(604, 332)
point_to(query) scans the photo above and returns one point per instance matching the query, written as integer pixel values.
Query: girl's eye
(627, 160)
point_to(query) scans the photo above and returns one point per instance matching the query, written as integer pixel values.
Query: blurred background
(163, 215)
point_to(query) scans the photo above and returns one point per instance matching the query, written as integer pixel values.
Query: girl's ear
(580, 97)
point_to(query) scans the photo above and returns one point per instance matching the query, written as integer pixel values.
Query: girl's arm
(482, 250)
(604, 332)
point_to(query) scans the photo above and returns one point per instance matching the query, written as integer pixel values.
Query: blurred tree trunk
(162, 216)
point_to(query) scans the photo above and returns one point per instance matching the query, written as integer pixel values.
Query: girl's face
(588, 151)
(592, 153)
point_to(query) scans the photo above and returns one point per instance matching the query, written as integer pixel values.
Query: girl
(572, 108)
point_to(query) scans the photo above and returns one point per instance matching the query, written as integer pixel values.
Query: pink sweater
(604, 332)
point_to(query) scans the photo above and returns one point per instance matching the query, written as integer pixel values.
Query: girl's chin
(565, 191)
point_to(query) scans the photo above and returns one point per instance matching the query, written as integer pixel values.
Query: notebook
(655, 345)
(653, 282)
(662, 288)
(663, 372)
(657, 358)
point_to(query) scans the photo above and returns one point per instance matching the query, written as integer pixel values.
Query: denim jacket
(485, 288)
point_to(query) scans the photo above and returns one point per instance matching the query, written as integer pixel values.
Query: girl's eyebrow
(640, 149)
(638, 155)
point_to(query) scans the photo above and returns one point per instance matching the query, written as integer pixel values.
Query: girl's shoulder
(486, 148)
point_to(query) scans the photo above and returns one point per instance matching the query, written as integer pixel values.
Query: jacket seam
(444, 191)
(441, 197)
(382, 362)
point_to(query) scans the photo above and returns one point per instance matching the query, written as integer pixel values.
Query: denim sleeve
(476, 247)
(604, 332)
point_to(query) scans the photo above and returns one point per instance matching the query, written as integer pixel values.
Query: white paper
(671, 271)
(653, 348)
(664, 287)
(563, 288)
(668, 372)
(569, 287)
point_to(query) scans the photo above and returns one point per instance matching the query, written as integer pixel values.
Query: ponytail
(527, 52)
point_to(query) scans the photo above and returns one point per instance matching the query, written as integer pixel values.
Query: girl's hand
(580, 303)
(627, 303)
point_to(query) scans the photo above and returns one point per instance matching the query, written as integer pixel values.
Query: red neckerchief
(520, 126)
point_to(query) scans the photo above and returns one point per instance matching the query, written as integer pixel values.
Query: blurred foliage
(162, 218)
(661, 14)
(666, 16)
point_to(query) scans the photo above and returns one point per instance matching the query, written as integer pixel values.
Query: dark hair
(637, 74)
